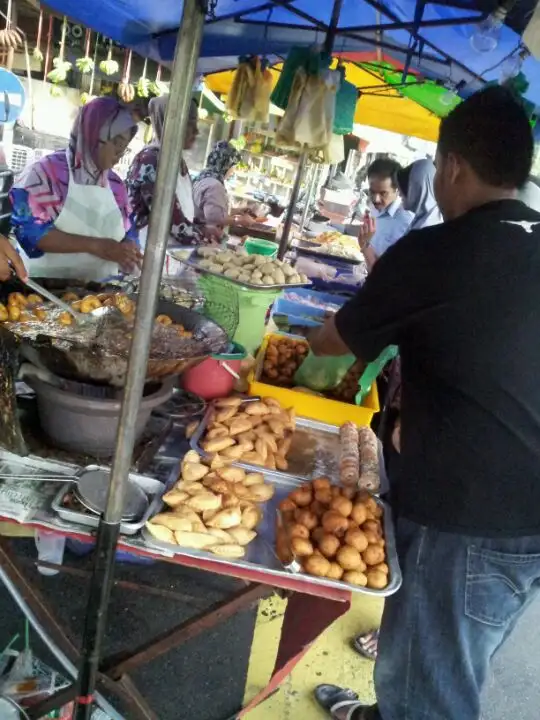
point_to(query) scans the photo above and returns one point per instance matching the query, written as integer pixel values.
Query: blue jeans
(461, 597)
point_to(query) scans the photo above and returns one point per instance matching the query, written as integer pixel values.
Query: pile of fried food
(32, 308)
(258, 432)
(282, 359)
(334, 533)
(249, 269)
(214, 510)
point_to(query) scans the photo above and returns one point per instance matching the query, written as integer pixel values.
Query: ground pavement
(210, 677)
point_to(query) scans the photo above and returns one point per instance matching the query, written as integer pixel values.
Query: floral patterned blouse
(140, 183)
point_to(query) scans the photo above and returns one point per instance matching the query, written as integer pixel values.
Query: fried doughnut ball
(301, 547)
(17, 298)
(70, 297)
(164, 320)
(34, 299)
(373, 526)
(349, 558)
(357, 539)
(335, 523)
(3, 313)
(306, 518)
(318, 534)
(377, 579)
(329, 545)
(89, 303)
(335, 572)
(359, 513)
(381, 567)
(302, 496)
(317, 565)
(355, 577)
(287, 507)
(299, 531)
(317, 508)
(324, 496)
(321, 483)
(373, 537)
(342, 506)
(373, 555)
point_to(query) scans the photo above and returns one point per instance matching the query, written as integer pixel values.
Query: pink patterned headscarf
(47, 180)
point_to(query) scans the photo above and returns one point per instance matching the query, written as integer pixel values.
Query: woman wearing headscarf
(209, 192)
(70, 210)
(141, 180)
(415, 184)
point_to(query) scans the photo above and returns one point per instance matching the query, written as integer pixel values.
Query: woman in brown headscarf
(141, 179)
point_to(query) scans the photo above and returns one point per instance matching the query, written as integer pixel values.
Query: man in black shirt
(462, 301)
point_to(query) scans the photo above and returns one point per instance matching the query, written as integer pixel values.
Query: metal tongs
(83, 319)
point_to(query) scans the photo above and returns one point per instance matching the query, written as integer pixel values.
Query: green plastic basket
(221, 296)
(258, 246)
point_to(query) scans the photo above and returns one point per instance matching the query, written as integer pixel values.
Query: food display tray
(261, 555)
(312, 252)
(153, 488)
(192, 264)
(316, 407)
(314, 451)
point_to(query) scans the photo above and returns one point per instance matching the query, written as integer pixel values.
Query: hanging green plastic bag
(323, 373)
(372, 372)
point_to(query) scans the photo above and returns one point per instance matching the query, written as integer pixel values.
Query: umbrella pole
(328, 47)
(186, 55)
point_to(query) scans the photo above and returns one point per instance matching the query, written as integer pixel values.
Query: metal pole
(284, 241)
(309, 194)
(187, 52)
(328, 47)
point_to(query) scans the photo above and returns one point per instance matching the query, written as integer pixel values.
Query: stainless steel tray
(195, 266)
(261, 555)
(314, 451)
(151, 486)
(311, 251)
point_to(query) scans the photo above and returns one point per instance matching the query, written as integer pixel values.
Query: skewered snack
(349, 465)
(210, 510)
(369, 478)
(339, 535)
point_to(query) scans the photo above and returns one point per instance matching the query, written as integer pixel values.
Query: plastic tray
(152, 487)
(260, 553)
(313, 406)
(198, 268)
(322, 297)
(311, 251)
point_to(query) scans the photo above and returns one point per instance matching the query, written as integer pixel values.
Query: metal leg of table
(112, 674)
(306, 617)
(245, 598)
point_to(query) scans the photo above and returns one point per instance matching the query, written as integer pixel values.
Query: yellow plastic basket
(314, 407)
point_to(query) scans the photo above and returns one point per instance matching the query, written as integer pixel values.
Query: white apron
(88, 210)
(184, 196)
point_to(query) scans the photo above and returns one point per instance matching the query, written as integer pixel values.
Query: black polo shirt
(462, 301)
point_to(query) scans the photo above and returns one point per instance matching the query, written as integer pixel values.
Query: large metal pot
(85, 424)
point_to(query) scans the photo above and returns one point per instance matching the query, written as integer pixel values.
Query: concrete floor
(213, 675)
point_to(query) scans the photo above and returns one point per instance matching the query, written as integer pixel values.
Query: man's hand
(326, 340)
(10, 261)
(126, 254)
(367, 231)
(213, 233)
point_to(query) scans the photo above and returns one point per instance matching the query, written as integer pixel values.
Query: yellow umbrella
(389, 110)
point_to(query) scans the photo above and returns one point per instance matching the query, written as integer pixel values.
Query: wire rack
(221, 302)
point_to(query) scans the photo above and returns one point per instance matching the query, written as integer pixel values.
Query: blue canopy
(441, 51)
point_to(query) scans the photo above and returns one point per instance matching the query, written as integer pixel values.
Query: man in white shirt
(389, 221)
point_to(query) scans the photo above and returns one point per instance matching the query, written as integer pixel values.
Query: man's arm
(326, 340)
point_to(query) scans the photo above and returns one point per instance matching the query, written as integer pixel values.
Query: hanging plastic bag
(323, 373)
(261, 95)
(310, 59)
(249, 97)
(345, 110)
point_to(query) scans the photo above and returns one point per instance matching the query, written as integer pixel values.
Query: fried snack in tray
(282, 359)
(334, 532)
(33, 308)
(214, 510)
(257, 432)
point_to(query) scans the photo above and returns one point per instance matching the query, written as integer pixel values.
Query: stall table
(307, 616)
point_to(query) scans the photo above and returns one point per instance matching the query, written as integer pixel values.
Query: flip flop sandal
(361, 642)
(352, 708)
(328, 695)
